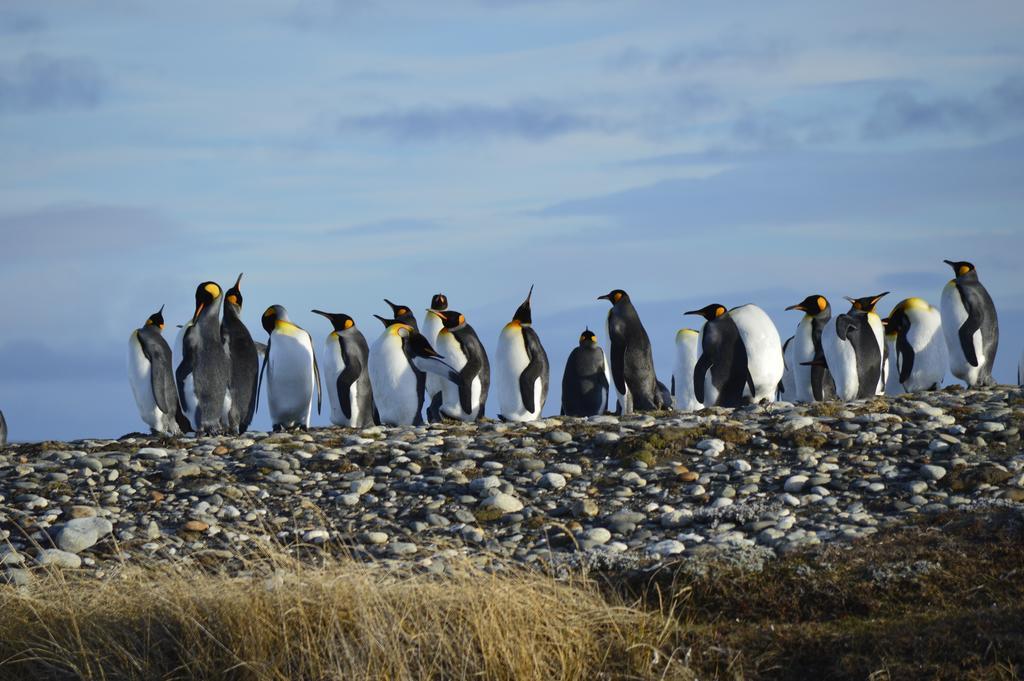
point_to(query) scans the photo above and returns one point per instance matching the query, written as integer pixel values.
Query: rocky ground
(741, 486)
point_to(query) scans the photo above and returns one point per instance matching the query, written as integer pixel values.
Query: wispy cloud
(14, 20)
(391, 226)
(39, 82)
(82, 229)
(532, 120)
(902, 112)
(692, 58)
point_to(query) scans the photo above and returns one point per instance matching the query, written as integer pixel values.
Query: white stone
(503, 502)
(795, 483)
(552, 480)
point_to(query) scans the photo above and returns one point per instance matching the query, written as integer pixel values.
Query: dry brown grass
(342, 621)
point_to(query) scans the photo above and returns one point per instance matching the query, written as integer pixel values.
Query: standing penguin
(787, 386)
(585, 379)
(919, 350)
(461, 348)
(203, 373)
(811, 379)
(346, 359)
(402, 314)
(866, 306)
(431, 327)
(399, 361)
(240, 399)
(971, 326)
(852, 351)
(522, 368)
(741, 356)
(631, 360)
(292, 371)
(687, 351)
(152, 378)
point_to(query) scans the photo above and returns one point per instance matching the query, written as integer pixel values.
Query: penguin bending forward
(585, 379)
(399, 362)
(971, 326)
(291, 369)
(204, 372)
(632, 362)
(918, 347)
(244, 360)
(741, 357)
(466, 398)
(687, 351)
(346, 371)
(152, 378)
(522, 368)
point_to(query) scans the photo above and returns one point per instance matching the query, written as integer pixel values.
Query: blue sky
(341, 152)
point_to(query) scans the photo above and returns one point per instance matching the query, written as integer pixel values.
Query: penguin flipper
(536, 369)
(158, 353)
(619, 366)
(345, 380)
(700, 370)
(316, 375)
(259, 381)
(967, 331)
(906, 357)
(466, 376)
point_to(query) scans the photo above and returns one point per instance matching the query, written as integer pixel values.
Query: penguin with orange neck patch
(970, 325)
(291, 370)
(466, 398)
(521, 368)
(152, 378)
(346, 368)
(204, 371)
(632, 362)
(244, 360)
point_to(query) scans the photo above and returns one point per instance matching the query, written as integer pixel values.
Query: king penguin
(152, 378)
(632, 363)
(852, 351)
(465, 399)
(399, 361)
(741, 356)
(291, 369)
(866, 306)
(240, 400)
(687, 350)
(346, 358)
(585, 383)
(522, 368)
(203, 374)
(402, 314)
(918, 347)
(971, 326)
(812, 382)
(431, 327)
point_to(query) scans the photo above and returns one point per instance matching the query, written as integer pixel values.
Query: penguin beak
(239, 280)
(441, 315)
(950, 263)
(606, 296)
(199, 310)
(327, 314)
(798, 306)
(701, 313)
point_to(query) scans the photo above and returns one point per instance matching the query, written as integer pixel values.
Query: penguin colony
(210, 383)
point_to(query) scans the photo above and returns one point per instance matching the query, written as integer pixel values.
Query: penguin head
(385, 321)
(156, 319)
(960, 267)
(811, 305)
(523, 314)
(588, 338)
(615, 296)
(865, 304)
(399, 311)
(273, 315)
(683, 334)
(439, 302)
(207, 294)
(710, 312)
(234, 294)
(340, 322)
(451, 320)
